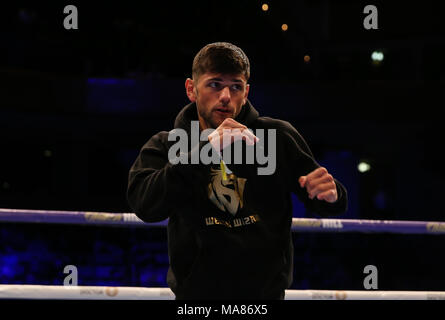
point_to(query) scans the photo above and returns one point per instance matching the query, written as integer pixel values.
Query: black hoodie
(227, 239)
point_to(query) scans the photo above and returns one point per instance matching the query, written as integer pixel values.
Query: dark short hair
(221, 57)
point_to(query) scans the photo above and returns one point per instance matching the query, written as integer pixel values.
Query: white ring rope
(135, 293)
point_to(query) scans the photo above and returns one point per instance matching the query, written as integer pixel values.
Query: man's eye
(214, 85)
(237, 87)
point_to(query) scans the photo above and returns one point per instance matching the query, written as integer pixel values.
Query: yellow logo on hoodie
(226, 194)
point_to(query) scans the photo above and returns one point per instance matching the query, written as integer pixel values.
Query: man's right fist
(230, 131)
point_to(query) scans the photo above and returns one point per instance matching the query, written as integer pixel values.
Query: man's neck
(202, 124)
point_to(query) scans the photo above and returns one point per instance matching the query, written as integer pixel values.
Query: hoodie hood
(189, 113)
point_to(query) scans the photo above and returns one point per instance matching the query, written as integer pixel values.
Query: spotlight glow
(265, 7)
(377, 56)
(363, 167)
(284, 27)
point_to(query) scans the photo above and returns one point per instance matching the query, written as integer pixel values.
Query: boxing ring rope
(137, 293)
(298, 224)
(43, 292)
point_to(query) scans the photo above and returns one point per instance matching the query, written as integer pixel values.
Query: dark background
(76, 106)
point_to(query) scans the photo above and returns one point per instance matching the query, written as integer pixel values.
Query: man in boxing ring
(230, 214)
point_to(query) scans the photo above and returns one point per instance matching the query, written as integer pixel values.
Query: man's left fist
(319, 183)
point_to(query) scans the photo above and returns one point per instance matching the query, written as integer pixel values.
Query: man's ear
(189, 89)
(246, 94)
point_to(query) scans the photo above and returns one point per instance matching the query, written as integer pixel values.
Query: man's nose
(224, 96)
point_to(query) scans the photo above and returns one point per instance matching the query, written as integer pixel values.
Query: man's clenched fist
(230, 131)
(319, 183)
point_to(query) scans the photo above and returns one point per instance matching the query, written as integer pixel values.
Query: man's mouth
(223, 110)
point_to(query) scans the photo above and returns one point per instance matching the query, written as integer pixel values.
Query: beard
(211, 118)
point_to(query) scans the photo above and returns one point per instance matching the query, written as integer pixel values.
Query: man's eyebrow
(219, 79)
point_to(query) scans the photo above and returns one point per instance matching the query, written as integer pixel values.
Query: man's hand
(230, 131)
(319, 183)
